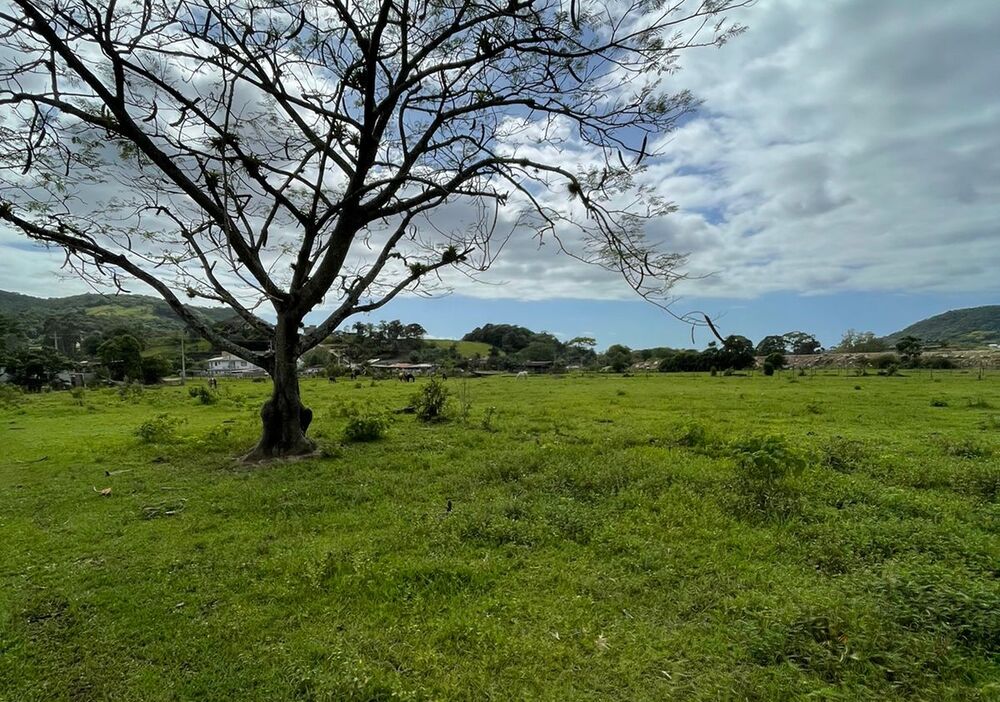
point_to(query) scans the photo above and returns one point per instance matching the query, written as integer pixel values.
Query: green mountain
(974, 326)
(66, 320)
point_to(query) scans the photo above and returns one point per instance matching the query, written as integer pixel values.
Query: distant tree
(155, 368)
(688, 361)
(618, 357)
(539, 350)
(122, 355)
(317, 358)
(776, 360)
(802, 344)
(771, 344)
(288, 153)
(91, 343)
(861, 342)
(909, 349)
(586, 342)
(736, 353)
(32, 368)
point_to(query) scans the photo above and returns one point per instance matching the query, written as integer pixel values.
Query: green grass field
(610, 539)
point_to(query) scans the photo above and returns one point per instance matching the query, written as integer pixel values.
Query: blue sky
(841, 175)
(640, 325)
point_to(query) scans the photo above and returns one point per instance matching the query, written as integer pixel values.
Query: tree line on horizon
(129, 353)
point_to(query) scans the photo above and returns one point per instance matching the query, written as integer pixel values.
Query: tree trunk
(284, 418)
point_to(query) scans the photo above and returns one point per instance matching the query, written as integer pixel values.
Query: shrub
(765, 469)
(885, 361)
(158, 430)
(130, 393)
(431, 401)
(155, 368)
(692, 435)
(488, 416)
(939, 402)
(768, 368)
(365, 424)
(203, 394)
(776, 359)
(10, 396)
(938, 363)
(78, 394)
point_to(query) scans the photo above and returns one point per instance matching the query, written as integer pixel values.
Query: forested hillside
(973, 326)
(66, 320)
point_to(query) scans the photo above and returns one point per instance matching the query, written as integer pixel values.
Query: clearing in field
(599, 538)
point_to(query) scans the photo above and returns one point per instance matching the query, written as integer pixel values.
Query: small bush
(776, 359)
(488, 416)
(10, 396)
(203, 395)
(130, 393)
(765, 470)
(939, 402)
(693, 436)
(768, 368)
(938, 363)
(160, 429)
(365, 424)
(890, 370)
(431, 401)
(78, 394)
(885, 361)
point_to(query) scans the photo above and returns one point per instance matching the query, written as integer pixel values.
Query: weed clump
(158, 430)
(766, 468)
(132, 392)
(10, 396)
(965, 447)
(431, 401)
(939, 402)
(982, 481)
(693, 436)
(365, 424)
(843, 455)
(203, 395)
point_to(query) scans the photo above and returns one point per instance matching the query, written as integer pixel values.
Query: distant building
(228, 364)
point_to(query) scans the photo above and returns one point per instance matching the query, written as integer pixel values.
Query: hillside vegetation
(973, 326)
(79, 315)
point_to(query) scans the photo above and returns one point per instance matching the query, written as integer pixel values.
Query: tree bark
(284, 418)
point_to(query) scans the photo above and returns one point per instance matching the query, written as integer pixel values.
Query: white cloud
(844, 145)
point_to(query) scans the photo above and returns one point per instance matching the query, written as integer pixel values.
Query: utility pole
(183, 362)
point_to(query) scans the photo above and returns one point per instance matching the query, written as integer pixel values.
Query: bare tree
(290, 153)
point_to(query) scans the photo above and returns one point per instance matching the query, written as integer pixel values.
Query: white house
(228, 364)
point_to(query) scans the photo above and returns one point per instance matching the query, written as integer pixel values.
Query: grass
(608, 538)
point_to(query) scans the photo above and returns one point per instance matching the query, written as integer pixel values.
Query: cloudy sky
(844, 172)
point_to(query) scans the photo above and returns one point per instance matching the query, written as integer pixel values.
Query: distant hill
(973, 326)
(80, 315)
